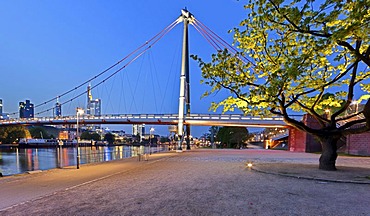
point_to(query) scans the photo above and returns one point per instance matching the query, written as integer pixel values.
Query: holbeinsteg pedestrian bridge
(155, 119)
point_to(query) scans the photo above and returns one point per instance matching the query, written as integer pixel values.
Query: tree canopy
(86, 135)
(109, 137)
(11, 134)
(232, 137)
(298, 56)
(39, 132)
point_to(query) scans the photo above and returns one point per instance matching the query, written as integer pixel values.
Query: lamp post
(79, 111)
(150, 139)
(327, 111)
(356, 105)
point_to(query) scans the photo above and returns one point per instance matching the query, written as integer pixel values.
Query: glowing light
(249, 165)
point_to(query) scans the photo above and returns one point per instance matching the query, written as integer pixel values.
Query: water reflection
(20, 160)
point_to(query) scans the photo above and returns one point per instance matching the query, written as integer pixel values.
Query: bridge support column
(186, 17)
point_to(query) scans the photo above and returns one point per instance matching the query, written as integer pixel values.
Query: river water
(20, 160)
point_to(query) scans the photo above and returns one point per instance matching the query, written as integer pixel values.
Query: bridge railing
(148, 118)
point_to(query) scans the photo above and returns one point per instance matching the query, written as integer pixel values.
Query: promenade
(197, 182)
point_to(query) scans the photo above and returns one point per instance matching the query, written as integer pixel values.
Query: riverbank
(197, 182)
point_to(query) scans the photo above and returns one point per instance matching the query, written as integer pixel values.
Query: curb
(309, 178)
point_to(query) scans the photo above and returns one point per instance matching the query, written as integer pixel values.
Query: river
(20, 160)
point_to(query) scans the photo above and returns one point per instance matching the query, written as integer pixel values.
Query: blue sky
(49, 47)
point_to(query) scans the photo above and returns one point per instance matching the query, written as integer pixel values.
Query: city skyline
(50, 48)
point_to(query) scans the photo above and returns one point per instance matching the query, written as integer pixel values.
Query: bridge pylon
(186, 17)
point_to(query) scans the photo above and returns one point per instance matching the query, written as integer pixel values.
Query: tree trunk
(329, 153)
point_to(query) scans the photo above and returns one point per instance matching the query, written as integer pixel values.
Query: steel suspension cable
(160, 36)
(210, 41)
(216, 37)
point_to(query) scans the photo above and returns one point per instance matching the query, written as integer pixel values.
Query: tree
(11, 134)
(233, 137)
(85, 135)
(109, 137)
(39, 132)
(164, 139)
(295, 56)
(95, 136)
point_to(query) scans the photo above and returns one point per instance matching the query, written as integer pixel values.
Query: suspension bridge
(183, 118)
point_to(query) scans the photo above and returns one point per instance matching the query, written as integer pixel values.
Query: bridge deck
(155, 119)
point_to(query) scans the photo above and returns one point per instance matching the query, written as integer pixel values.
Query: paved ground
(199, 182)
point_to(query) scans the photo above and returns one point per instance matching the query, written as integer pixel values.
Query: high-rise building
(26, 109)
(58, 109)
(138, 129)
(1, 107)
(93, 108)
(93, 105)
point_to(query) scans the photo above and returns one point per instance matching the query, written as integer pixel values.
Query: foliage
(232, 137)
(39, 132)
(11, 134)
(164, 139)
(298, 56)
(293, 56)
(109, 137)
(86, 135)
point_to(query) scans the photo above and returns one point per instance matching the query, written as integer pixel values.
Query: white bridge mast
(186, 17)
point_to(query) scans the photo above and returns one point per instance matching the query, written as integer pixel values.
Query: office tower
(58, 109)
(138, 129)
(93, 105)
(26, 109)
(1, 107)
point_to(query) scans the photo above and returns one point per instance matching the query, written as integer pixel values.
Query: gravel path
(203, 182)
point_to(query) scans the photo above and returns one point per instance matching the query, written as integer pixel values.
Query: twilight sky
(50, 47)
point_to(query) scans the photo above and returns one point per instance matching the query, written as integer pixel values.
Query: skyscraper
(1, 107)
(93, 105)
(58, 109)
(26, 109)
(138, 129)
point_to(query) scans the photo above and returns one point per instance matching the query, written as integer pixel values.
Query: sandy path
(202, 183)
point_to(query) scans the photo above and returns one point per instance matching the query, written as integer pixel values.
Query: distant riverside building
(93, 108)
(93, 105)
(2, 115)
(138, 129)
(26, 109)
(58, 109)
(1, 107)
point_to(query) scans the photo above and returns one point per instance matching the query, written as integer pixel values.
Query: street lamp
(356, 105)
(79, 111)
(150, 139)
(327, 111)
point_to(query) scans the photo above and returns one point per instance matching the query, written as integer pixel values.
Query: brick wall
(358, 144)
(297, 140)
(300, 141)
